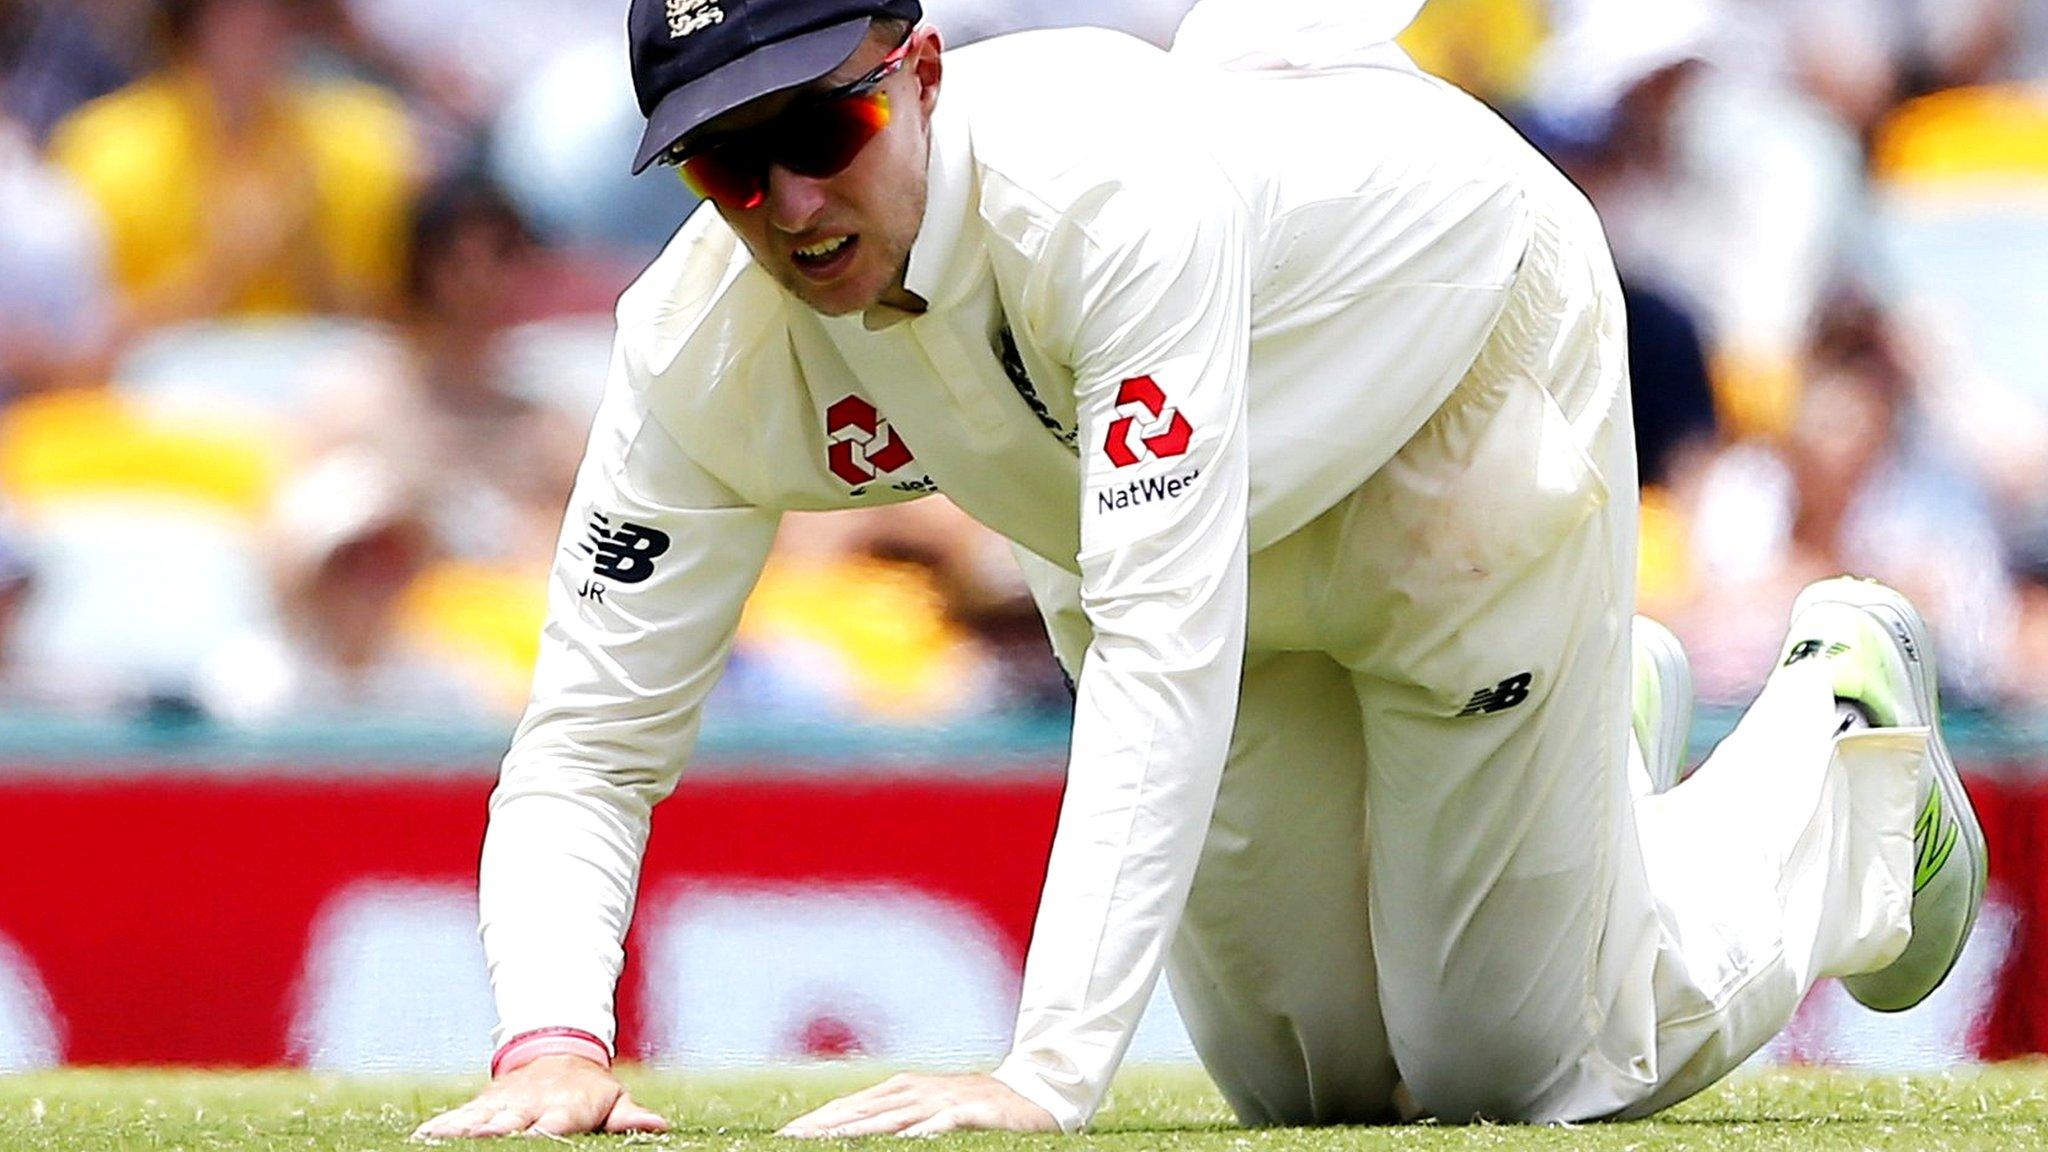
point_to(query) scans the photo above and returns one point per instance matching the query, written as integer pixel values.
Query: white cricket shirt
(1175, 313)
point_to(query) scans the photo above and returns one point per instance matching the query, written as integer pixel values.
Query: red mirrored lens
(822, 139)
(815, 140)
(728, 176)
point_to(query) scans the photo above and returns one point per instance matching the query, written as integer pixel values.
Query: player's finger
(559, 1121)
(885, 1122)
(436, 1128)
(815, 1123)
(629, 1116)
(503, 1122)
(973, 1114)
(943, 1121)
(894, 1088)
(847, 1108)
(454, 1123)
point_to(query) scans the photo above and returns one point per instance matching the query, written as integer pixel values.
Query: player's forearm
(555, 897)
(642, 604)
(561, 858)
(1149, 753)
(569, 825)
(1153, 719)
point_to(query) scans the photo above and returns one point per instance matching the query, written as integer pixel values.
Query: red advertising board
(168, 919)
(305, 917)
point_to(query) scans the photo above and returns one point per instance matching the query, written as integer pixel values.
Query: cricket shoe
(1661, 708)
(1877, 647)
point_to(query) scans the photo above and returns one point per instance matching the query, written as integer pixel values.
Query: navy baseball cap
(695, 59)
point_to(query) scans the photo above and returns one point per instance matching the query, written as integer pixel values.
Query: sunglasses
(816, 137)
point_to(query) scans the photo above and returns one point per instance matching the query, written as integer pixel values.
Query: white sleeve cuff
(1020, 1077)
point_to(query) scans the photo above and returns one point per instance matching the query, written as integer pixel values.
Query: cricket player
(1297, 379)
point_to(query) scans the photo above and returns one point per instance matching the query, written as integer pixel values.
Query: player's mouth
(826, 258)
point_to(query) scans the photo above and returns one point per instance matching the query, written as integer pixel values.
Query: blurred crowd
(304, 308)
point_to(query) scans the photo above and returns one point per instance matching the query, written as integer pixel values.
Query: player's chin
(837, 303)
(856, 290)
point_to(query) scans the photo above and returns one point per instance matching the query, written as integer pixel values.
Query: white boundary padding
(394, 981)
(31, 1036)
(738, 975)
(1833, 1030)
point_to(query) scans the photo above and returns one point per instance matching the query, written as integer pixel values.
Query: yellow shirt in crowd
(151, 157)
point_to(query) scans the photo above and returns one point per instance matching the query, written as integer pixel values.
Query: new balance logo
(1500, 697)
(1905, 638)
(1808, 649)
(622, 550)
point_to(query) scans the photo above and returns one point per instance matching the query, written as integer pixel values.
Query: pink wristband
(527, 1047)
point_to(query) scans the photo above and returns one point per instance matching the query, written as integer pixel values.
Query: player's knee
(1468, 1069)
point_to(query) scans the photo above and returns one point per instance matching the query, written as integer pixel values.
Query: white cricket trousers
(1426, 864)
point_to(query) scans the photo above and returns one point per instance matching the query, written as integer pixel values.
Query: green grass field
(2003, 1108)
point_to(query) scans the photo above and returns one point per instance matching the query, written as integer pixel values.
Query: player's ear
(926, 66)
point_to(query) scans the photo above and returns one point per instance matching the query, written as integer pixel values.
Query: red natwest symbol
(1169, 441)
(862, 445)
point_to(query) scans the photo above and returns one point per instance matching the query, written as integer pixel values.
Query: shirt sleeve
(1146, 291)
(655, 562)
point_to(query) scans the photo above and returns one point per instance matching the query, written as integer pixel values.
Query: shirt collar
(942, 260)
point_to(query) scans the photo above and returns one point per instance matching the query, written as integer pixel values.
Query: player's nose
(793, 201)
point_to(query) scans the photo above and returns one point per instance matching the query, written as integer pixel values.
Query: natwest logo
(862, 445)
(1166, 432)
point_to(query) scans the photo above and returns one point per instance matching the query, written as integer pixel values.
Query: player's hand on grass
(924, 1106)
(554, 1096)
